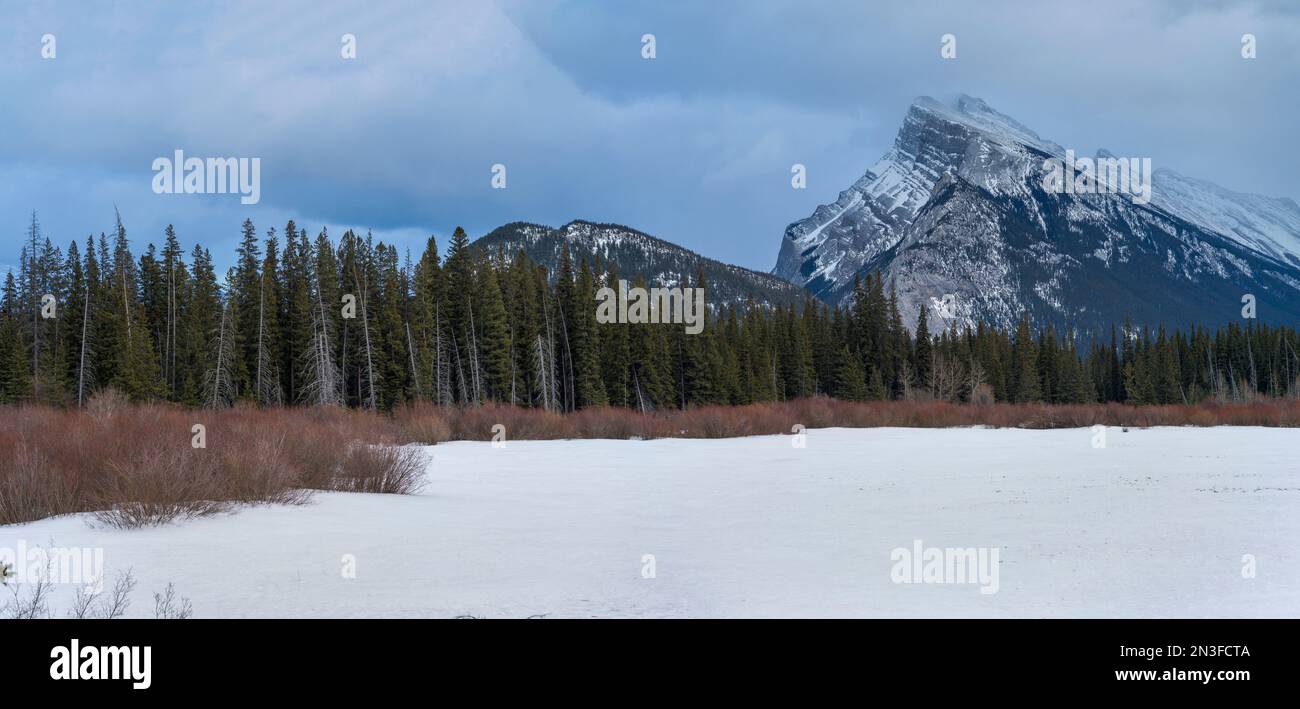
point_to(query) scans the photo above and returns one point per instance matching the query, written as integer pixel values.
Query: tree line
(302, 320)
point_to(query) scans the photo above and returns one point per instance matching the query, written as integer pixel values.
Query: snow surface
(1153, 525)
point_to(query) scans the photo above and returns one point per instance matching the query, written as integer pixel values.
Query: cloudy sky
(694, 146)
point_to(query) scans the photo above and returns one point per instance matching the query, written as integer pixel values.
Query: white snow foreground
(1182, 522)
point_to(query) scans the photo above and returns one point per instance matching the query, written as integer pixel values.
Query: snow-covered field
(1155, 524)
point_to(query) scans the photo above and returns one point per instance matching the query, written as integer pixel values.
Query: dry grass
(135, 465)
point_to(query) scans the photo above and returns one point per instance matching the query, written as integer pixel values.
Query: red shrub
(134, 464)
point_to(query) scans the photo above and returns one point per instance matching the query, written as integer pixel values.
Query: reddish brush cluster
(432, 424)
(135, 465)
(139, 465)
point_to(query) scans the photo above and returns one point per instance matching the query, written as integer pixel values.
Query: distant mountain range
(957, 216)
(633, 253)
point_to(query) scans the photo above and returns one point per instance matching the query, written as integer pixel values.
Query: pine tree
(590, 388)
(1025, 383)
(495, 343)
(1167, 387)
(198, 322)
(266, 379)
(15, 377)
(246, 290)
(1072, 386)
(176, 277)
(458, 313)
(136, 372)
(850, 381)
(393, 361)
(33, 299)
(924, 359)
(73, 313)
(298, 312)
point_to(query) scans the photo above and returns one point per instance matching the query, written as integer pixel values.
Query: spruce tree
(1025, 382)
(924, 359)
(590, 388)
(850, 381)
(495, 343)
(615, 355)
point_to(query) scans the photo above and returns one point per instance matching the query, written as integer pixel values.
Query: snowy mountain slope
(956, 211)
(635, 253)
(824, 251)
(1081, 263)
(1267, 224)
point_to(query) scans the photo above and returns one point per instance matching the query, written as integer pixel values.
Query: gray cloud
(695, 146)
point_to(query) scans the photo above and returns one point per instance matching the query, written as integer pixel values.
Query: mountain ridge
(635, 253)
(956, 212)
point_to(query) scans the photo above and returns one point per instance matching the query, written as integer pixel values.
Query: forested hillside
(315, 320)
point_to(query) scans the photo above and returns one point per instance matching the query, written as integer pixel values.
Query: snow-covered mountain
(957, 216)
(633, 253)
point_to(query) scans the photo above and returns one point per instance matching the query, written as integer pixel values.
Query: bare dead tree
(905, 375)
(321, 379)
(945, 377)
(976, 378)
(121, 270)
(539, 361)
(539, 356)
(81, 363)
(1254, 381)
(442, 368)
(1216, 379)
(410, 351)
(511, 349)
(437, 357)
(570, 402)
(324, 384)
(218, 379)
(640, 393)
(475, 377)
(550, 353)
(369, 401)
(460, 372)
(681, 377)
(1293, 386)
